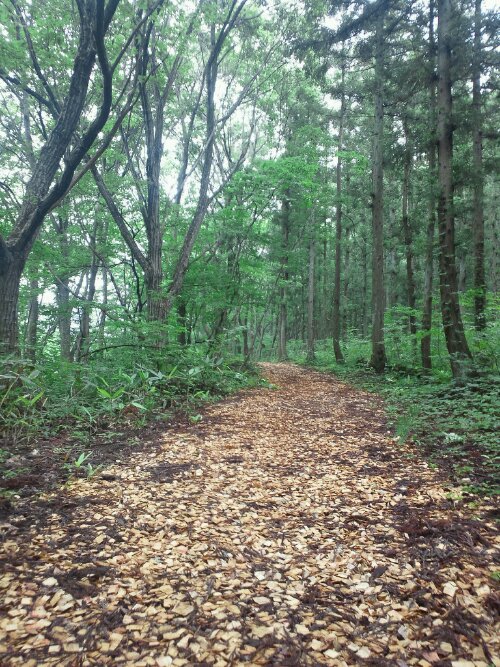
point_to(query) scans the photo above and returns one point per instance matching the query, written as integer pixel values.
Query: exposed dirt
(287, 527)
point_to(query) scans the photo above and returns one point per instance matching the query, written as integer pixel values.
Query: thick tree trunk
(425, 343)
(11, 269)
(156, 302)
(478, 183)
(43, 192)
(339, 358)
(378, 359)
(458, 349)
(310, 300)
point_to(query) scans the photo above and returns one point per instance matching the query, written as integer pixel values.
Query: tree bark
(64, 318)
(283, 315)
(11, 269)
(478, 182)
(310, 298)
(43, 192)
(32, 324)
(339, 358)
(425, 343)
(364, 268)
(458, 349)
(408, 236)
(378, 358)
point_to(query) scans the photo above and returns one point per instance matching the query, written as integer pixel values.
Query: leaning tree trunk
(458, 349)
(338, 229)
(425, 343)
(45, 189)
(478, 182)
(378, 359)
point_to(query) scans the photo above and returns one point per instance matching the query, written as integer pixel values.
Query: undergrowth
(455, 427)
(72, 409)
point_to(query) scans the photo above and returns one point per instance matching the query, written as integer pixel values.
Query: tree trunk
(32, 324)
(64, 318)
(43, 192)
(458, 349)
(11, 269)
(364, 262)
(347, 284)
(478, 181)
(283, 315)
(246, 347)
(378, 359)
(102, 319)
(182, 319)
(408, 237)
(84, 339)
(425, 343)
(338, 228)
(310, 300)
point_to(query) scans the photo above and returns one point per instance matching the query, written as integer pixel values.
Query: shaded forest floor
(287, 527)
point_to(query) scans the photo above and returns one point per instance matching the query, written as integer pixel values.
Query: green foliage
(86, 399)
(22, 401)
(455, 426)
(82, 465)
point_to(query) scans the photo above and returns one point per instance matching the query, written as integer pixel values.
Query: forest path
(285, 528)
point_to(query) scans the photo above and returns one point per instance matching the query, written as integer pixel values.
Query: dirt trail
(286, 528)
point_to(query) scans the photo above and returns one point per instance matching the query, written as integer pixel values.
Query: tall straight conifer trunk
(310, 292)
(283, 315)
(458, 349)
(478, 183)
(378, 359)
(408, 234)
(425, 343)
(338, 226)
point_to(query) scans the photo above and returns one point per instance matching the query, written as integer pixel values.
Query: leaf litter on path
(286, 528)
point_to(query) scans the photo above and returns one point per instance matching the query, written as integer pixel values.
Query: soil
(287, 527)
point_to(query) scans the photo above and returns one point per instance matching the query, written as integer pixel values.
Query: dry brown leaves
(287, 528)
